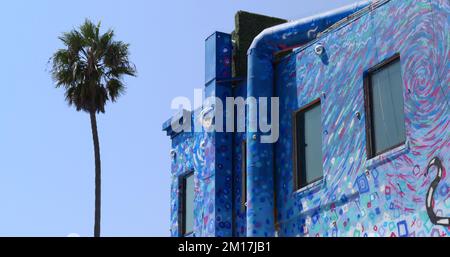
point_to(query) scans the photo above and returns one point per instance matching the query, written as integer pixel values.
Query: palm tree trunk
(98, 184)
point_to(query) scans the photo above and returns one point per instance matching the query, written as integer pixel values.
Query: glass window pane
(387, 108)
(309, 145)
(313, 144)
(189, 204)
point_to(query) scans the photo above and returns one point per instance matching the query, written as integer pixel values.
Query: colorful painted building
(364, 128)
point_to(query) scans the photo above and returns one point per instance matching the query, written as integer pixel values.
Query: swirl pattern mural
(386, 196)
(403, 193)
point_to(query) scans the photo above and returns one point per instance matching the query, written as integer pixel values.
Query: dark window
(244, 176)
(188, 192)
(308, 145)
(384, 107)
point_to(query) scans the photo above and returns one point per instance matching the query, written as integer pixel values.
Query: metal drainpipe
(260, 166)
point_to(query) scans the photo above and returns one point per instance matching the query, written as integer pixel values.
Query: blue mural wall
(405, 192)
(207, 154)
(386, 196)
(240, 209)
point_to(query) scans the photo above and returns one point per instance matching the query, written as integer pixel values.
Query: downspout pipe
(260, 164)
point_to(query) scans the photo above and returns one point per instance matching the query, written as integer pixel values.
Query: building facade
(364, 128)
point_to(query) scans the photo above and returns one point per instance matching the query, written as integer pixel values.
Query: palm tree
(90, 68)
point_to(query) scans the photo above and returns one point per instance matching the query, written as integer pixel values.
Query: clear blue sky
(46, 152)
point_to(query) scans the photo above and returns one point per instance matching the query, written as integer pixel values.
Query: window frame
(182, 200)
(297, 168)
(370, 136)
